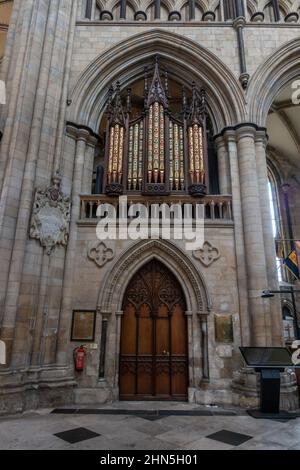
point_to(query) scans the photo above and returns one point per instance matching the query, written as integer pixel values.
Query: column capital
(202, 314)
(230, 135)
(261, 137)
(220, 141)
(232, 132)
(84, 133)
(239, 22)
(249, 130)
(188, 313)
(106, 314)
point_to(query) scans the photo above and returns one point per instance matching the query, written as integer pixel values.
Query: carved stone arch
(285, 6)
(191, 280)
(215, 4)
(271, 77)
(274, 167)
(203, 5)
(295, 5)
(101, 4)
(252, 6)
(111, 4)
(282, 4)
(168, 4)
(126, 60)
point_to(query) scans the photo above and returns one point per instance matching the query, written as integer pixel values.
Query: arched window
(276, 223)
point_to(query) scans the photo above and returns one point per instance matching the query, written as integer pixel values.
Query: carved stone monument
(51, 216)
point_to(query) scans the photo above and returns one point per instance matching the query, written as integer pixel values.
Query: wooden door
(153, 350)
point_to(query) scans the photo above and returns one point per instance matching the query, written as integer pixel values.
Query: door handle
(165, 353)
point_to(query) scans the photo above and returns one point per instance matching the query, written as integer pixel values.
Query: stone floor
(146, 426)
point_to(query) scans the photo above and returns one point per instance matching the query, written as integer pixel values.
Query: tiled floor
(146, 426)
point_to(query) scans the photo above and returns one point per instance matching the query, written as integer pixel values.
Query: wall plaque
(223, 329)
(83, 325)
(51, 216)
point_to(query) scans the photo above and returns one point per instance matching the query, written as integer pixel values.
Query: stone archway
(198, 306)
(270, 78)
(126, 61)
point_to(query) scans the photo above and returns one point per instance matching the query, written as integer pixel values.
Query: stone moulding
(207, 254)
(144, 250)
(101, 254)
(51, 216)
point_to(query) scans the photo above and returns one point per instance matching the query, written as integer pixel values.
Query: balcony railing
(216, 208)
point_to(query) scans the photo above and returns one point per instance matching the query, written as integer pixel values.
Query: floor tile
(76, 435)
(229, 437)
(207, 444)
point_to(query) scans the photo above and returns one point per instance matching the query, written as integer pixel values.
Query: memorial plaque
(223, 329)
(83, 325)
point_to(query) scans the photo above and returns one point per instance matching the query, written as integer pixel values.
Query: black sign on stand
(269, 362)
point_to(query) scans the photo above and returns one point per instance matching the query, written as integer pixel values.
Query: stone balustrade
(216, 208)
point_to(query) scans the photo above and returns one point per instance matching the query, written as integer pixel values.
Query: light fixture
(266, 294)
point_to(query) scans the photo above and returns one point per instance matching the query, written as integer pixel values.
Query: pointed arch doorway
(153, 348)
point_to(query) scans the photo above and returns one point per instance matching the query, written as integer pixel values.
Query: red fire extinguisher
(79, 354)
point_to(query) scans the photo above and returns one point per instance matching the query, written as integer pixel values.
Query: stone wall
(47, 56)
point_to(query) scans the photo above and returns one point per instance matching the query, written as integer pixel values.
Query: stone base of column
(103, 393)
(215, 392)
(34, 388)
(246, 390)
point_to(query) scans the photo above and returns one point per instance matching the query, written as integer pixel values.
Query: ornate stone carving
(161, 250)
(51, 216)
(101, 254)
(207, 254)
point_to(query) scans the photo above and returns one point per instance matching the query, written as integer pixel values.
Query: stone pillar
(119, 315)
(190, 335)
(204, 345)
(30, 130)
(157, 6)
(262, 173)
(254, 238)
(86, 187)
(242, 283)
(83, 138)
(223, 166)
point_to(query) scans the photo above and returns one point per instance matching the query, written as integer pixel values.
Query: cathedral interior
(168, 102)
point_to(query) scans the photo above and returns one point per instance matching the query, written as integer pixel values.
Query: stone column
(204, 345)
(239, 237)
(119, 315)
(254, 238)
(83, 139)
(262, 173)
(223, 166)
(29, 136)
(191, 352)
(89, 165)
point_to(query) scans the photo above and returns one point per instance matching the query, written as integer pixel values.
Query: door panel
(153, 350)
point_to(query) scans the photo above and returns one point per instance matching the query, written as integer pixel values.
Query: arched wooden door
(153, 351)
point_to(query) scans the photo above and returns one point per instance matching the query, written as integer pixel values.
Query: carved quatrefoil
(207, 254)
(101, 254)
